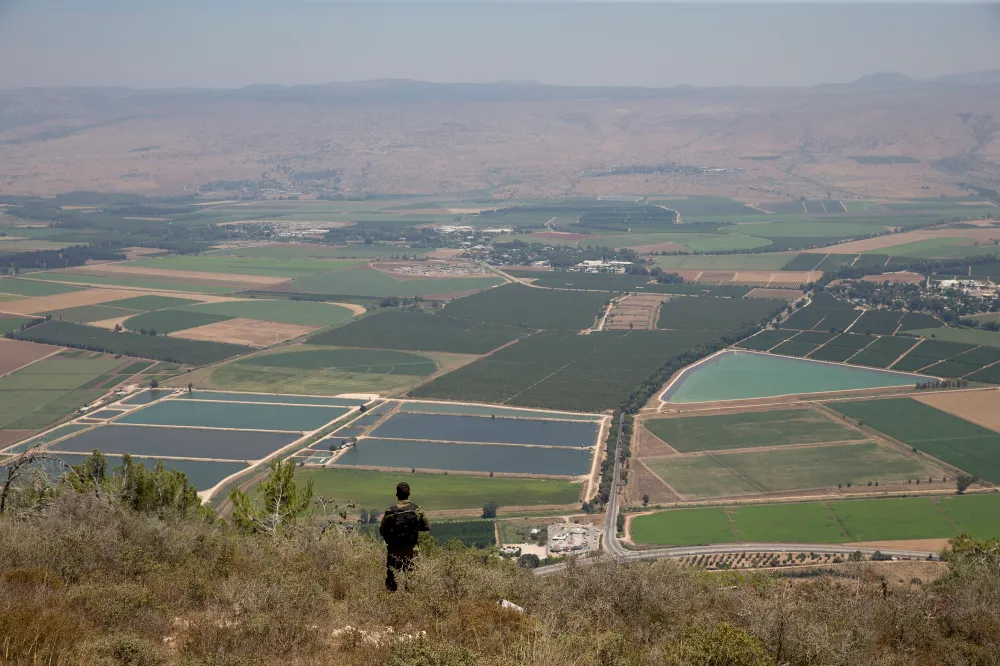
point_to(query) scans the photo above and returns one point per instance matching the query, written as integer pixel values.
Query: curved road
(614, 550)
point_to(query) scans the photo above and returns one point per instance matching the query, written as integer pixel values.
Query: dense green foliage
(563, 369)
(393, 329)
(162, 348)
(518, 305)
(709, 314)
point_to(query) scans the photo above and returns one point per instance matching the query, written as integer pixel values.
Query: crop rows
(563, 370)
(393, 329)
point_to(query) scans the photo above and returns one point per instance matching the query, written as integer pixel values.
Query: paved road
(613, 550)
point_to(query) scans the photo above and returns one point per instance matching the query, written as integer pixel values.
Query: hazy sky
(233, 43)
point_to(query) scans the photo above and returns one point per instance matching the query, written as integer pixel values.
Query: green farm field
(781, 470)
(148, 303)
(844, 521)
(437, 492)
(36, 395)
(56, 278)
(715, 314)
(749, 429)
(394, 329)
(521, 306)
(370, 283)
(305, 313)
(8, 324)
(958, 442)
(316, 370)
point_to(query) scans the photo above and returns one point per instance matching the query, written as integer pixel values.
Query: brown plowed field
(8, 437)
(240, 331)
(895, 278)
(980, 407)
(72, 299)
(15, 354)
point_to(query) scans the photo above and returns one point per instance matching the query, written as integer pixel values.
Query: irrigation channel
(613, 550)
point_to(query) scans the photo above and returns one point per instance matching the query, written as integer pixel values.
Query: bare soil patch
(637, 311)
(643, 482)
(240, 331)
(765, 292)
(16, 354)
(928, 545)
(444, 253)
(8, 437)
(895, 278)
(356, 310)
(138, 252)
(72, 299)
(111, 323)
(980, 407)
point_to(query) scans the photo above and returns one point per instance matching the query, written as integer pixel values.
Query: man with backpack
(401, 527)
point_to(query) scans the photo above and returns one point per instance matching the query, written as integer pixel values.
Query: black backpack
(405, 527)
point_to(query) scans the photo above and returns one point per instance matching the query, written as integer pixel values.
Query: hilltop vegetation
(120, 578)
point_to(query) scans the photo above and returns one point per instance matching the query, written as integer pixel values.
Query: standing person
(401, 527)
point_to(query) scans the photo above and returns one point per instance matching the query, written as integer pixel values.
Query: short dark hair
(402, 490)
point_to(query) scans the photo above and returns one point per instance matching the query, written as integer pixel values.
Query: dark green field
(749, 429)
(563, 370)
(955, 441)
(527, 307)
(393, 329)
(191, 352)
(710, 314)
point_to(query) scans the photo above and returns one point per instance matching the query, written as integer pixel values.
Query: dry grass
(85, 581)
(241, 331)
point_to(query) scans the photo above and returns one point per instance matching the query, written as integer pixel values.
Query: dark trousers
(396, 561)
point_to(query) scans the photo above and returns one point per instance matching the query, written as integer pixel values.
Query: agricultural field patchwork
(48, 389)
(931, 431)
(563, 370)
(157, 347)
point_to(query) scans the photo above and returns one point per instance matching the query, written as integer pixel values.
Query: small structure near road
(569, 539)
